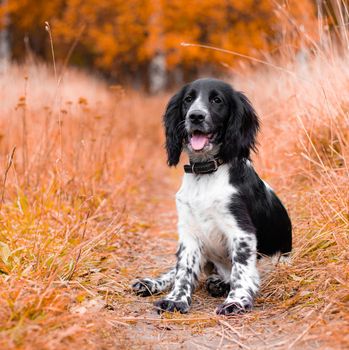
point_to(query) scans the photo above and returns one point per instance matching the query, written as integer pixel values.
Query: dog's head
(208, 118)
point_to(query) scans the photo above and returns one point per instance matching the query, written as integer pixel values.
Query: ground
(277, 322)
(270, 325)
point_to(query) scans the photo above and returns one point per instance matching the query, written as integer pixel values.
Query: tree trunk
(157, 67)
(157, 73)
(5, 50)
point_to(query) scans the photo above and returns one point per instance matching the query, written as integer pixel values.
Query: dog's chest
(203, 207)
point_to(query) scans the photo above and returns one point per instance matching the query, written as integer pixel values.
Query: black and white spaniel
(227, 216)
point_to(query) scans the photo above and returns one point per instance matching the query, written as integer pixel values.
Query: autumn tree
(130, 41)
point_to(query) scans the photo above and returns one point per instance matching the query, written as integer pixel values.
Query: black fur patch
(258, 210)
(241, 256)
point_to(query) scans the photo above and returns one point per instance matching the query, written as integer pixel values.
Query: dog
(227, 216)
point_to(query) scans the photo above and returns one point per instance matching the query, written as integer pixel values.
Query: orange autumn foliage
(120, 38)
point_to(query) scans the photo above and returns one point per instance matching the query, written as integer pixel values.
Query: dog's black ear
(242, 128)
(174, 128)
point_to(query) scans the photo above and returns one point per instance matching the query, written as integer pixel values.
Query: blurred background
(138, 42)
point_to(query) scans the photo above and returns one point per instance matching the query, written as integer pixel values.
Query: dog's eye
(188, 99)
(216, 100)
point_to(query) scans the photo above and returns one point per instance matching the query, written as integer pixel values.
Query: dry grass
(88, 198)
(78, 176)
(304, 154)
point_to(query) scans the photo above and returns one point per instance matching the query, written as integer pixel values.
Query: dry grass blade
(8, 166)
(250, 58)
(48, 29)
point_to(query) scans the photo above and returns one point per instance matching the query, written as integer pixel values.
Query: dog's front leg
(244, 281)
(188, 268)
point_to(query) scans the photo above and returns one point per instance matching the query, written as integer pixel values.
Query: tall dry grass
(304, 154)
(77, 160)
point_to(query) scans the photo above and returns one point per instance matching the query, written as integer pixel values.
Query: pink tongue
(198, 142)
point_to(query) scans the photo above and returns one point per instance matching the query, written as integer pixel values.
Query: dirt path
(273, 324)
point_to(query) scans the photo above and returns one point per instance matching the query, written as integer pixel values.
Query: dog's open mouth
(198, 140)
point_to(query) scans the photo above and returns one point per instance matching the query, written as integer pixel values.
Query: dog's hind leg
(216, 284)
(149, 286)
(216, 287)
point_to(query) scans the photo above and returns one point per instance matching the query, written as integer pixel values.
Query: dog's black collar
(204, 167)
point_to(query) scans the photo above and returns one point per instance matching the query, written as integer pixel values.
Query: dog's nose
(197, 117)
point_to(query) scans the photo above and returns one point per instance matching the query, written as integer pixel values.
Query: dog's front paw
(234, 308)
(144, 287)
(171, 306)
